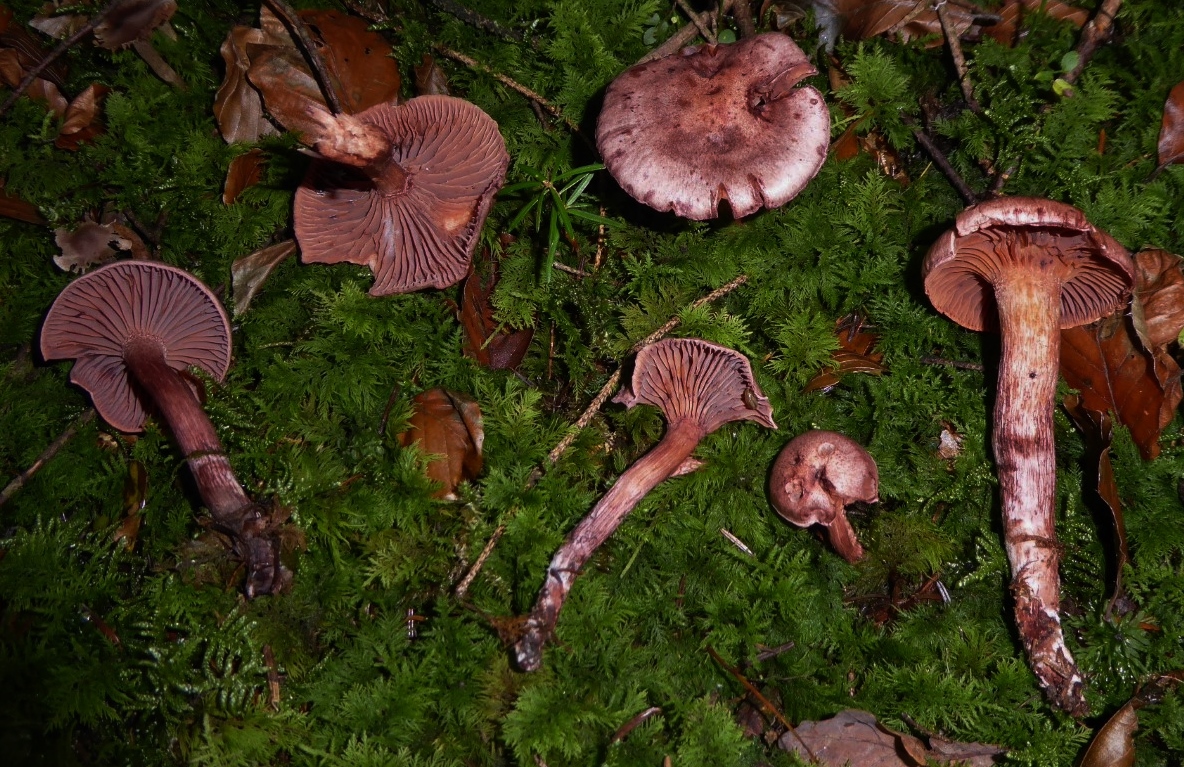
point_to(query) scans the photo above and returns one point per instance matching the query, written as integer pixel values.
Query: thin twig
(769, 653)
(1096, 32)
(682, 37)
(708, 35)
(299, 29)
(513, 85)
(472, 18)
(939, 159)
(471, 575)
(735, 541)
(947, 28)
(633, 724)
(56, 54)
(765, 704)
(569, 269)
(742, 13)
(952, 364)
(23, 478)
(1001, 180)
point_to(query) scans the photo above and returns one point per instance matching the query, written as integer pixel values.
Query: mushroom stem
(663, 461)
(1029, 322)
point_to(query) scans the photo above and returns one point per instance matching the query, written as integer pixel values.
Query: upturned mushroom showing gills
(133, 328)
(403, 190)
(815, 476)
(699, 387)
(1029, 267)
(716, 122)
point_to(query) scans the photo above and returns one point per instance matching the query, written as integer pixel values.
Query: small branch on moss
(1096, 32)
(699, 23)
(517, 87)
(56, 54)
(634, 723)
(569, 269)
(742, 13)
(769, 653)
(952, 364)
(299, 30)
(735, 541)
(682, 37)
(955, 44)
(1001, 180)
(484, 23)
(940, 160)
(273, 678)
(471, 575)
(764, 702)
(23, 478)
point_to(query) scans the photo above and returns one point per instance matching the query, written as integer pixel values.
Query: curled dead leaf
(907, 20)
(12, 206)
(244, 172)
(80, 123)
(248, 273)
(491, 344)
(1014, 13)
(1171, 132)
(448, 429)
(238, 107)
(430, 80)
(1114, 745)
(854, 354)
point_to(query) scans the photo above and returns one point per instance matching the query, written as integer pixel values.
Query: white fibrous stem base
(1029, 319)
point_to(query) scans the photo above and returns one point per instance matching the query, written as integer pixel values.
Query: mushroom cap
(683, 132)
(817, 473)
(693, 380)
(1097, 272)
(423, 233)
(98, 314)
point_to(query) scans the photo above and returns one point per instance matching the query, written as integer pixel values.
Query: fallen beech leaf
(1013, 13)
(14, 207)
(1114, 745)
(855, 738)
(88, 245)
(907, 20)
(290, 94)
(1138, 381)
(238, 107)
(41, 90)
(132, 20)
(1171, 134)
(854, 355)
(358, 59)
(243, 173)
(248, 273)
(59, 26)
(448, 428)
(81, 124)
(135, 498)
(28, 49)
(485, 341)
(430, 80)
(847, 145)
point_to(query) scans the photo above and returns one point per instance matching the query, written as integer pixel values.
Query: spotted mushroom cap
(689, 379)
(1097, 272)
(423, 234)
(716, 122)
(98, 313)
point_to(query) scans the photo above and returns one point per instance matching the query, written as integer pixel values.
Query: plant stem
(23, 478)
(1096, 32)
(951, 34)
(640, 478)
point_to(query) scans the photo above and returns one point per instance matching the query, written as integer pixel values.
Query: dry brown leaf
(238, 107)
(1158, 311)
(492, 346)
(12, 206)
(430, 80)
(907, 20)
(132, 20)
(30, 51)
(290, 94)
(1114, 745)
(855, 738)
(448, 429)
(1013, 13)
(88, 245)
(358, 59)
(1171, 132)
(854, 355)
(244, 172)
(248, 273)
(59, 26)
(80, 123)
(135, 498)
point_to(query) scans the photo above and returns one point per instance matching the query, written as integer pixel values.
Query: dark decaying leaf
(1098, 429)
(248, 273)
(486, 341)
(855, 738)
(81, 124)
(238, 107)
(448, 429)
(358, 59)
(1171, 132)
(244, 172)
(906, 20)
(41, 90)
(135, 498)
(430, 80)
(12, 206)
(1014, 14)
(1111, 367)
(1114, 745)
(290, 93)
(854, 354)
(27, 48)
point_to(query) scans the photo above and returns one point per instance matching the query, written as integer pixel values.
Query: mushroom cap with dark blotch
(422, 234)
(817, 473)
(1097, 272)
(691, 380)
(99, 313)
(683, 132)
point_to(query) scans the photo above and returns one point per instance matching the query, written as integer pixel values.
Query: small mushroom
(699, 386)
(1029, 267)
(405, 191)
(716, 122)
(133, 328)
(814, 478)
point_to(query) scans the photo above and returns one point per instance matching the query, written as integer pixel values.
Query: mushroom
(1029, 267)
(713, 123)
(134, 328)
(699, 387)
(814, 478)
(406, 192)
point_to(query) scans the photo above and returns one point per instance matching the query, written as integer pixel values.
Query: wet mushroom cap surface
(1045, 237)
(715, 122)
(100, 313)
(419, 232)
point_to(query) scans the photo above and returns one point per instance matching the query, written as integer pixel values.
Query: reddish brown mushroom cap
(696, 381)
(715, 122)
(1096, 271)
(97, 315)
(415, 218)
(815, 476)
